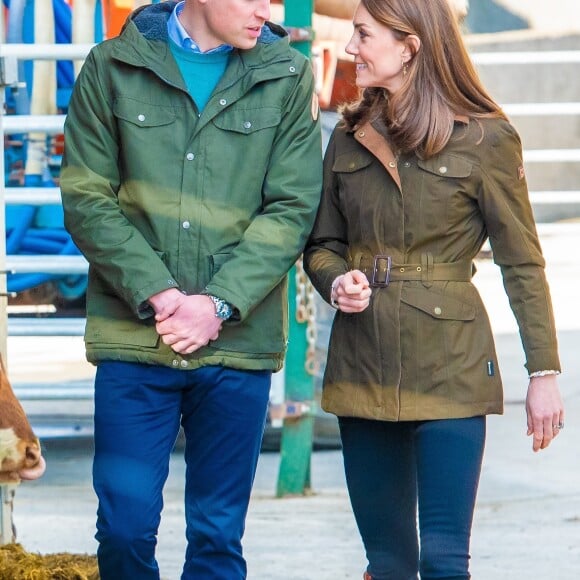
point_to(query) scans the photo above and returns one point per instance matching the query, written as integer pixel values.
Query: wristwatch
(223, 309)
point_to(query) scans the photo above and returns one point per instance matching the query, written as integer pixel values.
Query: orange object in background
(115, 14)
(336, 78)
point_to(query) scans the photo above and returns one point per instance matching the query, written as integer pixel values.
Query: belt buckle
(382, 271)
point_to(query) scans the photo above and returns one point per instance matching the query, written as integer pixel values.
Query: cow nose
(34, 463)
(32, 454)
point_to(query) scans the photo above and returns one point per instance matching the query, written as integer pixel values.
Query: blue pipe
(14, 238)
(21, 282)
(23, 237)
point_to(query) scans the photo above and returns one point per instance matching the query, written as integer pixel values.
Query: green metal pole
(298, 18)
(297, 431)
(296, 444)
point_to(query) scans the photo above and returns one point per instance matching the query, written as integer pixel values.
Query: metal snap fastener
(141, 117)
(407, 164)
(392, 164)
(401, 269)
(190, 156)
(292, 69)
(223, 102)
(418, 268)
(175, 362)
(443, 169)
(361, 133)
(247, 125)
(186, 225)
(437, 310)
(184, 363)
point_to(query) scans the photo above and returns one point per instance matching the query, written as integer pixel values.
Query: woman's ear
(412, 46)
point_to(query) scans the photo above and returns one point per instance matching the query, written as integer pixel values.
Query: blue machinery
(32, 159)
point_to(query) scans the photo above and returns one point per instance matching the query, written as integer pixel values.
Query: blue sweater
(201, 72)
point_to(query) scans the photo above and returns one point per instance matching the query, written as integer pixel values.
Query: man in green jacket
(190, 181)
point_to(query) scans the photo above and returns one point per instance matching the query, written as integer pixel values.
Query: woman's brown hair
(441, 81)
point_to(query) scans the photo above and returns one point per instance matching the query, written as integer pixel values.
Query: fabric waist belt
(380, 270)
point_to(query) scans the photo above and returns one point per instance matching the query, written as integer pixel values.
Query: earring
(405, 67)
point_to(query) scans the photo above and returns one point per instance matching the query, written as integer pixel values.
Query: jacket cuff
(142, 307)
(542, 359)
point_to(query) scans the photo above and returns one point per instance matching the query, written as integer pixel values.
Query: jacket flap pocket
(110, 321)
(142, 114)
(351, 162)
(248, 121)
(122, 332)
(437, 305)
(446, 166)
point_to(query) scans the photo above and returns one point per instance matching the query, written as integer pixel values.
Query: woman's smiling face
(378, 55)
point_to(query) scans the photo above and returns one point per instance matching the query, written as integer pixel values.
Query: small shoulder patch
(315, 106)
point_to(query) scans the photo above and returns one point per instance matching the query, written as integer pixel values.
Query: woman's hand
(545, 410)
(351, 292)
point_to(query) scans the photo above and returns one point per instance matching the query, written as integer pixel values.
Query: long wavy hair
(441, 81)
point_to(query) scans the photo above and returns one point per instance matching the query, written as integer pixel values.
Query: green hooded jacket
(158, 196)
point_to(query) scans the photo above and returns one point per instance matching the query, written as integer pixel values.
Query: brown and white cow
(20, 455)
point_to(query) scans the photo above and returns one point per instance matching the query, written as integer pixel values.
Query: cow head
(20, 455)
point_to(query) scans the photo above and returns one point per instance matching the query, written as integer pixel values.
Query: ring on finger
(559, 426)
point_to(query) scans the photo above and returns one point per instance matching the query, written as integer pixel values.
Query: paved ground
(527, 523)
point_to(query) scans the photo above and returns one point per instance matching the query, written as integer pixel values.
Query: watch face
(222, 309)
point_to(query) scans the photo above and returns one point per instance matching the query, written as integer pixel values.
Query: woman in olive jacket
(419, 173)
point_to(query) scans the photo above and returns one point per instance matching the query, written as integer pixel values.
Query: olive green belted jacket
(424, 349)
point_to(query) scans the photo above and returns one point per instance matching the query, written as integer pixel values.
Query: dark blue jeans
(138, 410)
(396, 470)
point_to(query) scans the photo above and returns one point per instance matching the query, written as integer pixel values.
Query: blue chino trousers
(398, 470)
(138, 411)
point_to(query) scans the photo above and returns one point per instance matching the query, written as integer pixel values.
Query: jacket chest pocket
(351, 172)
(144, 124)
(249, 134)
(443, 176)
(247, 125)
(443, 185)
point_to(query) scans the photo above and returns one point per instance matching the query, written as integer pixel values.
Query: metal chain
(306, 312)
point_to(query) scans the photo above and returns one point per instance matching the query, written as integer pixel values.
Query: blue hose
(23, 236)
(26, 215)
(21, 282)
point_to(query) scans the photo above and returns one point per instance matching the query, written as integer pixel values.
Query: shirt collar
(179, 35)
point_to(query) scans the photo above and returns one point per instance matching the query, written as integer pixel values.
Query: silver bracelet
(333, 302)
(543, 374)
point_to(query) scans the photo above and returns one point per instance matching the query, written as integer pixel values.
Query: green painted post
(296, 443)
(298, 17)
(297, 432)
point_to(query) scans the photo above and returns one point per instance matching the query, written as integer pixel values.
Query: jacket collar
(373, 136)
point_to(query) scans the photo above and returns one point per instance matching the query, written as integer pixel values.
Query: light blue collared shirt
(179, 35)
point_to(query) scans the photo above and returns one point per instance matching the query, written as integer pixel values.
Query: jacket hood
(151, 22)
